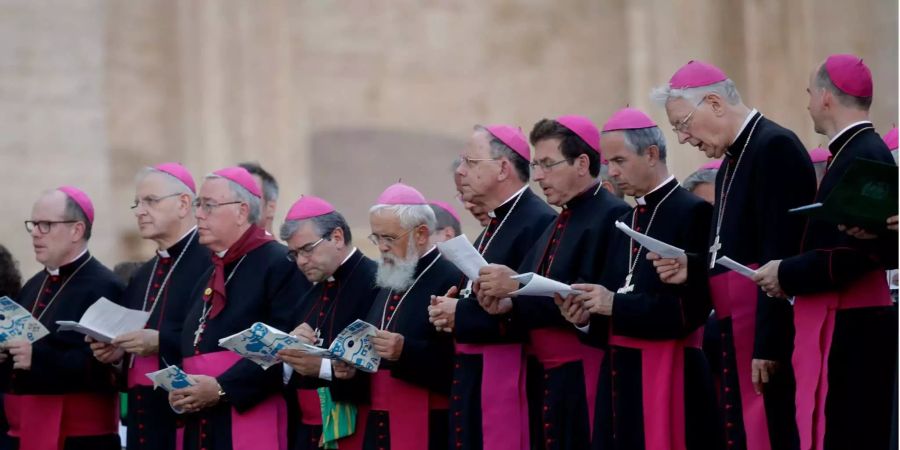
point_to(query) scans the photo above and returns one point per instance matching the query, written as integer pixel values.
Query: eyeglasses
(387, 240)
(44, 226)
(150, 201)
(683, 124)
(472, 162)
(208, 207)
(545, 165)
(303, 251)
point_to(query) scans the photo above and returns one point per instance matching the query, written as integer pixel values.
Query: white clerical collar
(641, 200)
(519, 192)
(428, 252)
(222, 253)
(839, 133)
(744, 125)
(331, 278)
(55, 272)
(164, 253)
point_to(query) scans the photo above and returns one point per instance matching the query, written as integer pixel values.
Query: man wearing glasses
(163, 208)
(765, 172)
(59, 395)
(563, 373)
(235, 404)
(320, 244)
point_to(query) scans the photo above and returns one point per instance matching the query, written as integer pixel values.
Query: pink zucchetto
(180, 172)
(513, 137)
(446, 207)
(849, 74)
(891, 139)
(308, 207)
(81, 199)
(696, 74)
(819, 155)
(401, 194)
(584, 128)
(628, 119)
(712, 165)
(243, 178)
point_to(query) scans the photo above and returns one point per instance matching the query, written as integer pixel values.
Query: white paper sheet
(538, 286)
(463, 255)
(652, 245)
(105, 320)
(170, 379)
(260, 343)
(736, 266)
(17, 323)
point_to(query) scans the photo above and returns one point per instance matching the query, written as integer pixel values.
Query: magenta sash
(814, 317)
(140, 367)
(662, 381)
(262, 427)
(310, 407)
(504, 404)
(735, 296)
(407, 406)
(43, 422)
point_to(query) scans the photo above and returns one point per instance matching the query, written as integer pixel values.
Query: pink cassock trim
(407, 406)
(142, 365)
(43, 422)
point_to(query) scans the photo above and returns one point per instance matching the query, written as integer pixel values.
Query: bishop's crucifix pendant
(714, 249)
(628, 287)
(319, 339)
(198, 333)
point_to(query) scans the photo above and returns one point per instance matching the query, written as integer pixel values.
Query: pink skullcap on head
(891, 139)
(178, 171)
(628, 119)
(446, 207)
(240, 176)
(819, 155)
(401, 194)
(513, 137)
(696, 74)
(308, 207)
(81, 199)
(850, 74)
(584, 128)
(714, 164)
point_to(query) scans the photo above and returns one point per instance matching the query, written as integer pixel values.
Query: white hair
(725, 89)
(410, 216)
(243, 195)
(174, 182)
(397, 273)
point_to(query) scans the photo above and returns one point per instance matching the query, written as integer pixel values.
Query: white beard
(395, 273)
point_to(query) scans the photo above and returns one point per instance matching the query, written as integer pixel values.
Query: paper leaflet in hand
(354, 347)
(17, 323)
(651, 245)
(463, 255)
(539, 286)
(170, 379)
(104, 321)
(260, 343)
(736, 266)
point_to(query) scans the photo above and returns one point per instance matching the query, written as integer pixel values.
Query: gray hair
(500, 150)
(823, 80)
(269, 184)
(410, 216)
(74, 212)
(640, 139)
(174, 182)
(324, 225)
(725, 89)
(244, 196)
(444, 219)
(699, 177)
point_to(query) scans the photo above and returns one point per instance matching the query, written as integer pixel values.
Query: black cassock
(62, 362)
(329, 307)
(770, 176)
(163, 286)
(263, 286)
(656, 389)
(524, 218)
(842, 299)
(562, 373)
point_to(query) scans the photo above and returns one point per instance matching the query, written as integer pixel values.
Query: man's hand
(105, 353)
(203, 394)
(494, 281)
(442, 311)
(763, 370)
(596, 299)
(857, 232)
(342, 370)
(767, 279)
(892, 223)
(143, 342)
(21, 354)
(388, 345)
(305, 333)
(572, 310)
(302, 362)
(495, 306)
(670, 270)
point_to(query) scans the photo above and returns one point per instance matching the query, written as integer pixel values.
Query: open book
(105, 320)
(17, 323)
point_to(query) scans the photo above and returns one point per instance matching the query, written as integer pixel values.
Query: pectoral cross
(714, 249)
(628, 286)
(198, 333)
(319, 339)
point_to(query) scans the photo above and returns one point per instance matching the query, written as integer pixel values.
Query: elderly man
(702, 182)
(846, 347)
(489, 407)
(269, 186)
(447, 218)
(234, 404)
(59, 396)
(563, 373)
(319, 242)
(654, 375)
(409, 391)
(163, 207)
(766, 171)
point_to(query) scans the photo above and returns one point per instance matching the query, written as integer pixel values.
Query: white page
(463, 255)
(538, 286)
(17, 323)
(353, 346)
(736, 266)
(170, 379)
(105, 320)
(260, 343)
(652, 245)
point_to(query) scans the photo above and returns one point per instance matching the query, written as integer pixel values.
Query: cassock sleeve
(832, 268)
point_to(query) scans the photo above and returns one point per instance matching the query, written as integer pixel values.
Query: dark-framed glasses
(44, 226)
(303, 251)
